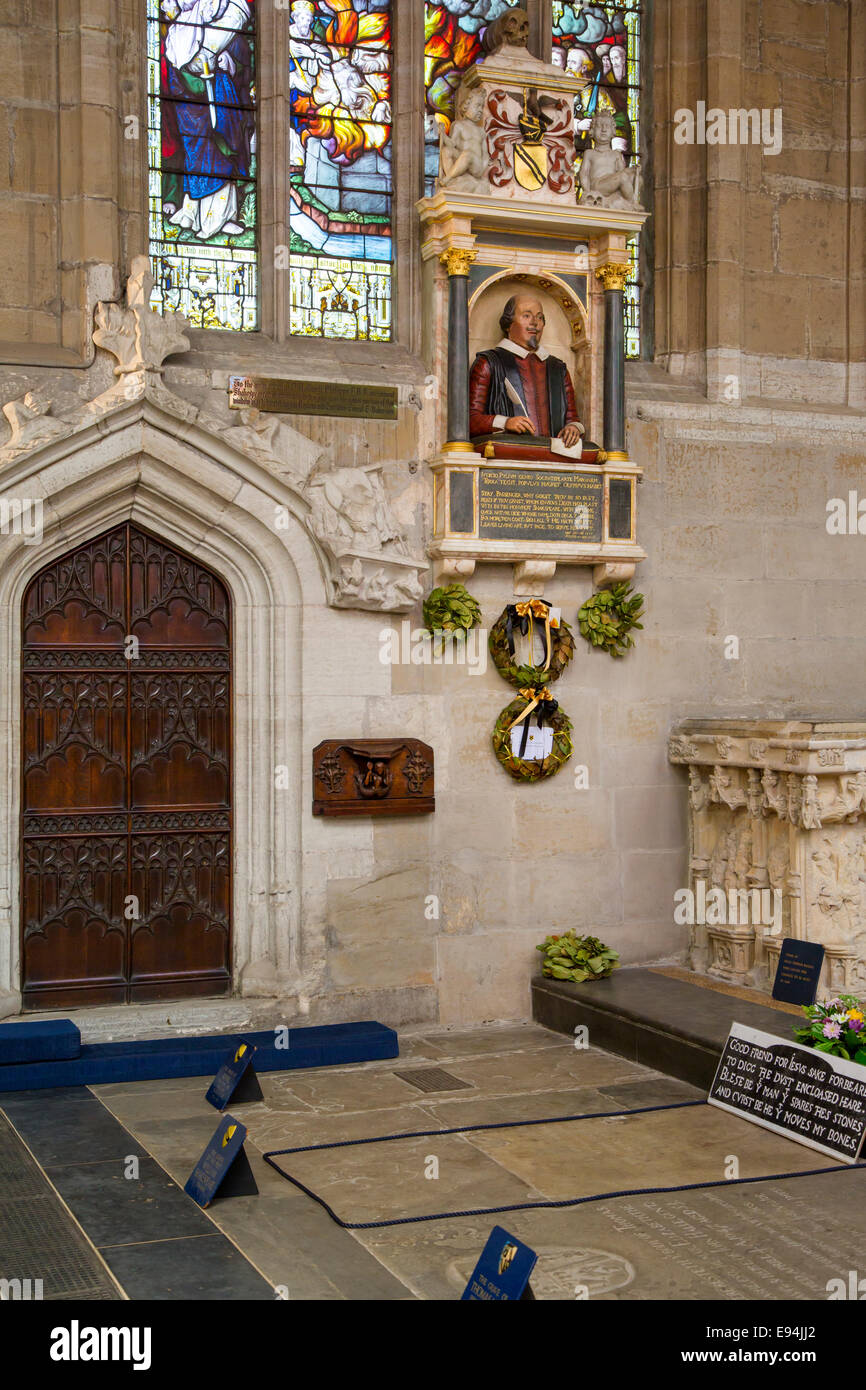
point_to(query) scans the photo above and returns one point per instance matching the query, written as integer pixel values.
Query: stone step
(673, 1026)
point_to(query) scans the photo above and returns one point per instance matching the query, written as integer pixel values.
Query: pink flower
(832, 1030)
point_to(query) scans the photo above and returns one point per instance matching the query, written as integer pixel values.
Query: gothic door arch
(126, 777)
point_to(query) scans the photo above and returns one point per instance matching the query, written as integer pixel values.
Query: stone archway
(197, 492)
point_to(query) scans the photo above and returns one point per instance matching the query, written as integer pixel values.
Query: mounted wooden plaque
(373, 777)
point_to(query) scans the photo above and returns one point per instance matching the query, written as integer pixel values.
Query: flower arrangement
(578, 958)
(837, 1027)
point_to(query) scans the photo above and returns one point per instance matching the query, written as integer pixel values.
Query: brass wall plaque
(530, 505)
(282, 396)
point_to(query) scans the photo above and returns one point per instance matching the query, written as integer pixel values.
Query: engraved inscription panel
(286, 397)
(533, 505)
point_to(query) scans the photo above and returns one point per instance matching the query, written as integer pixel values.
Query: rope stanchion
(525, 1206)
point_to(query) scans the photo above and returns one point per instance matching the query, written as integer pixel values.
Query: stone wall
(760, 258)
(759, 275)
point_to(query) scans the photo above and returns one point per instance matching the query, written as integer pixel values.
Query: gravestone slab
(793, 1090)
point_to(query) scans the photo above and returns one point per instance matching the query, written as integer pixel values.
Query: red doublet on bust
(533, 377)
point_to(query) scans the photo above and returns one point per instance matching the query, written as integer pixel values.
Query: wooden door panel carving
(126, 776)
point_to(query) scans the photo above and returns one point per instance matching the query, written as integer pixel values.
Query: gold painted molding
(614, 275)
(457, 260)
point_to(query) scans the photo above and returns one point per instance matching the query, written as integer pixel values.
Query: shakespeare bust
(518, 387)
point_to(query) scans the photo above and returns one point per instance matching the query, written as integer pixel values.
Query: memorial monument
(508, 246)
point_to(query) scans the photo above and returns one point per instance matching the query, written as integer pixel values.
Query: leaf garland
(451, 609)
(608, 617)
(522, 770)
(577, 958)
(561, 641)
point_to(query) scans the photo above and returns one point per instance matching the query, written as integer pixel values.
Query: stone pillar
(614, 275)
(457, 261)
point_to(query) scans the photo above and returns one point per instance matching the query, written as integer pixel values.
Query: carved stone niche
(777, 808)
(373, 777)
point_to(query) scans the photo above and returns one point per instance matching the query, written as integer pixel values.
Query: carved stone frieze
(362, 543)
(782, 815)
(31, 424)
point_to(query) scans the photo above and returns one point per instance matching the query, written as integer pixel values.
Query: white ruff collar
(519, 351)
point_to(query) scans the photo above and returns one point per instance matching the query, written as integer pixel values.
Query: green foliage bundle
(451, 609)
(578, 958)
(608, 617)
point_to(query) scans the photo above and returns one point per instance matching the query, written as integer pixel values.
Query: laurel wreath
(608, 617)
(562, 644)
(522, 770)
(451, 609)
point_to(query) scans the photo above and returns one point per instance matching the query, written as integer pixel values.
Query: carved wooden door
(126, 777)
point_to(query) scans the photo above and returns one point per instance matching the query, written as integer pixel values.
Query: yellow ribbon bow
(537, 608)
(535, 698)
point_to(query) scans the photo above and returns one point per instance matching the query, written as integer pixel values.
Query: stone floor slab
(548, 1069)
(382, 1181)
(115, 1209)
(190, 1269)
(279, 1131)
(344, 1092)
(478, 1042)
(755, 1242)
(659, 1149)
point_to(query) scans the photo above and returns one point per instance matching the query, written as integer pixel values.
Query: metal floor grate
(434, 1079)
(38, 1238)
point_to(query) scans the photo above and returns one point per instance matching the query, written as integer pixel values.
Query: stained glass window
(601, 45)
(202, 160)
(454, 32)
(341, 249)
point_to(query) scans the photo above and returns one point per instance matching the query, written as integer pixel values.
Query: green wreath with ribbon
(558, 644)
(540, 703)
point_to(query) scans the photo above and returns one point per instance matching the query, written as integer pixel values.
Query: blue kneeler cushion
(100, 1063)
(54, 1040)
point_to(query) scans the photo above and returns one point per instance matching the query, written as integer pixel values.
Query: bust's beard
(533, 342)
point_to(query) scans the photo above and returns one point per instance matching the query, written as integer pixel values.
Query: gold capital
(457, 260)
(614, 275)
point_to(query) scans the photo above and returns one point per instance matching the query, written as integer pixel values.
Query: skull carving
(511, 28)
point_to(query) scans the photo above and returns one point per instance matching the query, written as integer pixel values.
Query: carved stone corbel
(31, 425)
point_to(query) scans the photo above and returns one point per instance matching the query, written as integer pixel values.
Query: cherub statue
(462, 158)
(606, 181)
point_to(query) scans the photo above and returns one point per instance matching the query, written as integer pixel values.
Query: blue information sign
(798, 971)
(223, 1167)
(502, 1274)
(236, 1079)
